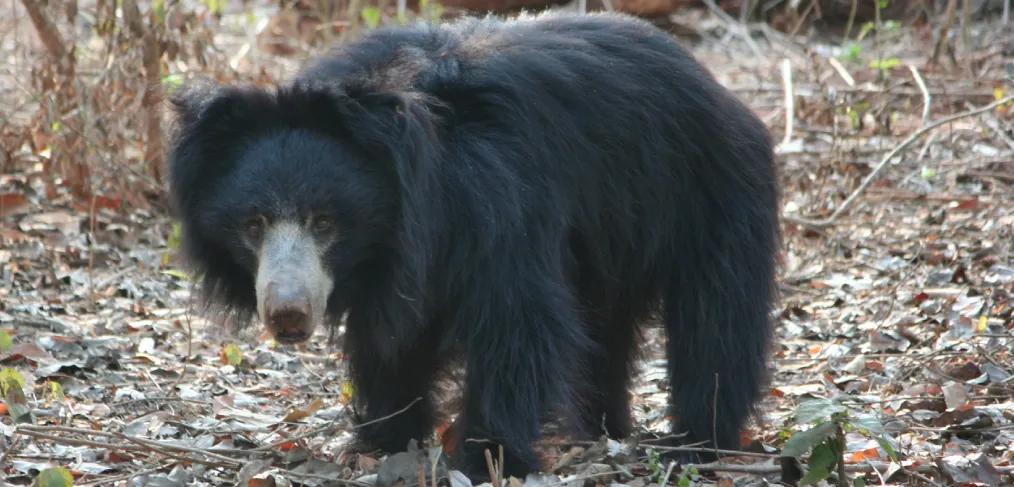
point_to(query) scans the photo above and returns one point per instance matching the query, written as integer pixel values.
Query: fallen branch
(887, 158)
(142, 445)
(332, 427)
(152, 446)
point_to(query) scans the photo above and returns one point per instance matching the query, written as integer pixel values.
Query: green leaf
(868, 422)
(888, 445)
(57, 390)
(859, 482)
(12, 387)
(9, 379)
(811, 411)
(884, 64)
(172, 81)
(372, 17)
(853, 52)
(233, 354)
(176, 273)
(6, 342)
(55, 477)
(867, 27)
(821, 462)
(801, 442)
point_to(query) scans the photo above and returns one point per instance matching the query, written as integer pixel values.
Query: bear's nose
(287, 311)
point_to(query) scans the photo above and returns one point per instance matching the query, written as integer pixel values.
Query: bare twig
(491, 468)
(686, 449)
(159, 448)
(952, 6)
(919, 476)
(852, 18)
(151, 55)
(737, 29)
(887, 158)
(999, 126)
(966, 37)
(127, 476)
(7, 452)
(714, 420)
(840, 68)
(926, 97)
(46, 29)
(790, 108)
(331, 426)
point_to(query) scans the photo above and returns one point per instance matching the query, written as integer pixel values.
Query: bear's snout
(287, 311)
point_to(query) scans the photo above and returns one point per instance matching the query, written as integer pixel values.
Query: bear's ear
(210, 123)
(203, 102)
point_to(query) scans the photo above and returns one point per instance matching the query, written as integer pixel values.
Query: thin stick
(840, 68)
(500, 463)
(966, 38)
(790, 105)
(998, 126)
(668, 472)
(736, 28)
(714, 420)
(491, 467)
(952, 5)
(887, 158)
(926, 97)
(115, 446)
(330, 426)
(117, 478)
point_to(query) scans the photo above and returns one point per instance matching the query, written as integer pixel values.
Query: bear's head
(294, 202)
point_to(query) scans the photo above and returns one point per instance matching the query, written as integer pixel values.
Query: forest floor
(896, 314)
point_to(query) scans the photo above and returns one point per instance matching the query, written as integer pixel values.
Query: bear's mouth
(290, 326)
(293, 283)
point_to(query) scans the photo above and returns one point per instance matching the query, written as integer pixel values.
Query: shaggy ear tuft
(211, 122)
(205, 102)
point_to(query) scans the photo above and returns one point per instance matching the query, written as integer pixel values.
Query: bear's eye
(254, 227)
(322, 224)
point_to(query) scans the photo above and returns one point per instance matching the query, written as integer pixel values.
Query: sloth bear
(517, 196)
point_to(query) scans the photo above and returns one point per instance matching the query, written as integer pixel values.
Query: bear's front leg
(523, 359)
(393, 396)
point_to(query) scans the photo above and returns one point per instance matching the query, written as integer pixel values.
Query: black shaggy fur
(525, 192)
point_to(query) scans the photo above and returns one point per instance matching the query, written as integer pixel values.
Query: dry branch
(887, 158)
(952, 6)
(151, 101)
(47, 30)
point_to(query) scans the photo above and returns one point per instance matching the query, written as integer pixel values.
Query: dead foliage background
(893, 361)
